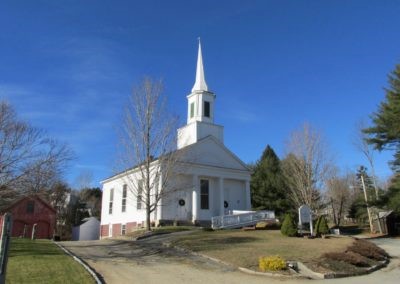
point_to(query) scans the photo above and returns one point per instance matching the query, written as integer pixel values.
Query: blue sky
(69, 66)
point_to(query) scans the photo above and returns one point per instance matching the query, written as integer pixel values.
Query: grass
(243, 248)
(41, 261)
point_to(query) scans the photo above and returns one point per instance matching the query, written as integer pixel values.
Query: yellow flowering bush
(271, 263)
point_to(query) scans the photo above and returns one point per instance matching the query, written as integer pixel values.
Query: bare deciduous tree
(84, 180)
(339, 196)
(29, 161)
(306, 166)
(360, 141)
(149, 143)
(47, 169)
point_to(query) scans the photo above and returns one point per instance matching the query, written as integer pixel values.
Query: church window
(191, 110)
(207, 107)
(124, 194)
(110, 204)
(139, 195)
(204, 194)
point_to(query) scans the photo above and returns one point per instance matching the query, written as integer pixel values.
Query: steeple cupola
(201, 100)
(200, 111)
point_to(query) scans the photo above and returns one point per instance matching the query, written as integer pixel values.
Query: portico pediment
(210, 152)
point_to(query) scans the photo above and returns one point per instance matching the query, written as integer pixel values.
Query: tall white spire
(200, 112)
(200, 84)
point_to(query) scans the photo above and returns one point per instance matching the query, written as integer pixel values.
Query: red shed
(28, 211)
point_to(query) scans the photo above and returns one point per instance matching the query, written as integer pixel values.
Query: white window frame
(111, 202)
(124, 197)
(208, 194)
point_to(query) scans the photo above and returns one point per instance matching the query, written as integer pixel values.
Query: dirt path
(148, 261)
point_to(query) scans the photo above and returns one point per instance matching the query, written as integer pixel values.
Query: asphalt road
(148, 261)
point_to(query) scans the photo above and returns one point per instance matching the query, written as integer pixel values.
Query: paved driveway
(148, 261)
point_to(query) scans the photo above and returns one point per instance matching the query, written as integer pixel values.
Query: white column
(248, 197)
(221, 196)
(195, 198)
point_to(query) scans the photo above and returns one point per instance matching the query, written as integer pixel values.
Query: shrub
(288, 226)
(321, 227)
(349, 257)
(271, 263)
(317, 224)
(368, 250)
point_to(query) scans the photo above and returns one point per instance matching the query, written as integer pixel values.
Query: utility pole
(366, 202)
(5, 239)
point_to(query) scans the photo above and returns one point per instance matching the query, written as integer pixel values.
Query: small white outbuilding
(87, 231)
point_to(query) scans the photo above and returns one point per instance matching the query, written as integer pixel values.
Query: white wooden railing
(241, 219)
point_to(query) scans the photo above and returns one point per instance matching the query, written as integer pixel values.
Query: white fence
(241, 220)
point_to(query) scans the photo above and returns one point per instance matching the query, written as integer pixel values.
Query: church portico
(215, 195)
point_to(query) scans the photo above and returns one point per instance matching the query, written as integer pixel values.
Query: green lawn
(41, 261)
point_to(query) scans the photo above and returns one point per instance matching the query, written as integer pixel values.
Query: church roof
(200, 84)
(224, 154)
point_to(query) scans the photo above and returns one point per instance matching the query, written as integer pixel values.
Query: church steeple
(200, 111)
(200, 83)
(200, 100)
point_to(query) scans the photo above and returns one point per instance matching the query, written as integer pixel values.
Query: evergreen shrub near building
(289, 228)
(321, 227)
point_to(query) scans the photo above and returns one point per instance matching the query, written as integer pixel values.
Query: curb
(311, 273)
(366, 271)
(242, 269)
(91, 271)
(276, 275)
(307, 274)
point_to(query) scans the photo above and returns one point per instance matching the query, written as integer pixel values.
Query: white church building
(217, 181)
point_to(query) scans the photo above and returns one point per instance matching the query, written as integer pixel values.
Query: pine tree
(322, 227)
(369, 184)
(385, 132)
(288, 226)
(391, 199)
(268, 189)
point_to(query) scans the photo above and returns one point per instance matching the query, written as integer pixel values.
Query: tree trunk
(333, 212)
(340, 212)
(148, 223)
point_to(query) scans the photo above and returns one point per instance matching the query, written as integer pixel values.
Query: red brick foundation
(116, 230)
(103, 231)
(131, 226)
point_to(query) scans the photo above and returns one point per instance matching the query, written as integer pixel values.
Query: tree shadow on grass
(211, 244)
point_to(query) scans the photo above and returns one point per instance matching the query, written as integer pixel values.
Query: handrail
(241, 220)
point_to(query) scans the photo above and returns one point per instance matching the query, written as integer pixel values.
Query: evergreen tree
(385, 132)
(322, 227)
(268, 189)
(288, 226)
(369, 184)
(391, 199)
(358, 209)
